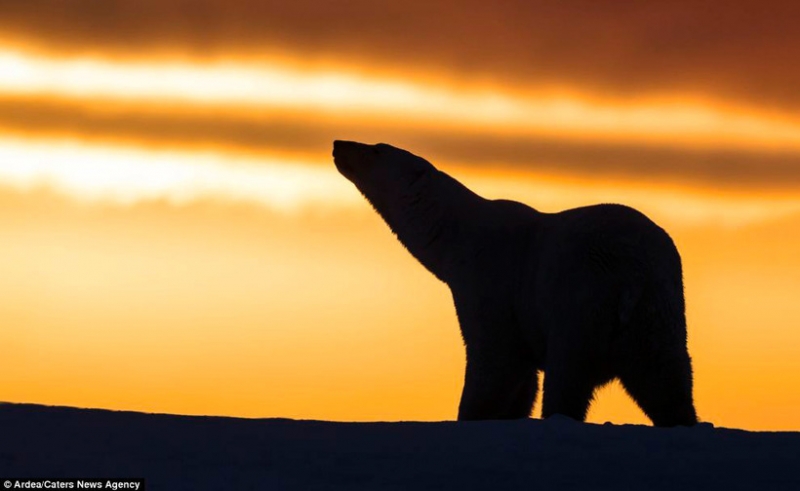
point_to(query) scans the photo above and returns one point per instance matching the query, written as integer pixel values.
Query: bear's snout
(344, 148)
(347, 155)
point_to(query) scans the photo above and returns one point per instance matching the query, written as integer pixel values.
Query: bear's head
(416, 200)
(384, 174)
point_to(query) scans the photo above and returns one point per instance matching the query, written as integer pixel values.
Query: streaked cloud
(253, 132)
(128, 175)
(354, 96)
(743, 51)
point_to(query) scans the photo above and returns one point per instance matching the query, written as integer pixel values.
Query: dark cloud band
(296, 133)
(745, 51)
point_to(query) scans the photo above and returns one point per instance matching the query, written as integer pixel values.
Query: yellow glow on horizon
(207, 309)
(250, 86)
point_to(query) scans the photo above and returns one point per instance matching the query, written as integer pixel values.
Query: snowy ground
(185, 452)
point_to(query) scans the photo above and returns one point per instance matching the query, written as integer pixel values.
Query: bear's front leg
(501, 380)
(497, 388)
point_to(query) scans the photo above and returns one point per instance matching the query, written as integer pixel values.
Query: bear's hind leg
(662, 389)
(497, 391)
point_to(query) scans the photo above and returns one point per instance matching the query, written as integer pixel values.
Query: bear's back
(620, 229)
(607, 241)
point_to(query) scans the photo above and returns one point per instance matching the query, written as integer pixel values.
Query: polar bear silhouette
(585, 295)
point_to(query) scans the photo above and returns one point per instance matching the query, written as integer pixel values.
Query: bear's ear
(383, 147)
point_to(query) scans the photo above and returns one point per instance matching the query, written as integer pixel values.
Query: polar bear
(585, 295)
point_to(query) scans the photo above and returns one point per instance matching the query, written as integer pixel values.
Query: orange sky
(175, 238)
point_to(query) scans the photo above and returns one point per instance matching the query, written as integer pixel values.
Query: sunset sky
(174, 236)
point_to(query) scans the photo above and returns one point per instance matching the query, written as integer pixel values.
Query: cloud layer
(743, 55)
(255, 133)
(743, 50)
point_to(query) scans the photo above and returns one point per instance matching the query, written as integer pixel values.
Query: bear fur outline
(586, 295)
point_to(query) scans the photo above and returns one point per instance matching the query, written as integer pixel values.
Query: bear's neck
(430, 218)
